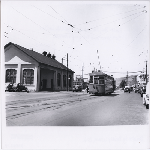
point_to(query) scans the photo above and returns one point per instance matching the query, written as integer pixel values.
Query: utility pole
(146, 72)
(127, 78)
(82, 71)
(67, 71)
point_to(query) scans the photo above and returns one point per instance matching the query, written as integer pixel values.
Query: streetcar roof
(96, 73)
(99, 74)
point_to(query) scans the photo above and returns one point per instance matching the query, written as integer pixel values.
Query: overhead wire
(121, 24)
(48, 14)
(55, 35)
(12, 28)
(91, 28)
(57, 13)
(136, 36)
(108, 16)
(35, 23)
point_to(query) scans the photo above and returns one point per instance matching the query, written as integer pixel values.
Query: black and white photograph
(75, 64)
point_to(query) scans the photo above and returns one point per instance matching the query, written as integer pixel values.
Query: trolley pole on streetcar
(67, 71)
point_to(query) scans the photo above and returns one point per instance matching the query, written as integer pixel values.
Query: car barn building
(36, 71)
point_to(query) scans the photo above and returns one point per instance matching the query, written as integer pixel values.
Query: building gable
(14, 56)
(38, 57)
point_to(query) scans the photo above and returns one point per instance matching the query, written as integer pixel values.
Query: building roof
(40, 58)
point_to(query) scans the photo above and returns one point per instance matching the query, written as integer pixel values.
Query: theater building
(36, 71)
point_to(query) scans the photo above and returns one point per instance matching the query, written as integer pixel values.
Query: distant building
(133, 80)
(141, 79)
(80, 81)
(34, 70)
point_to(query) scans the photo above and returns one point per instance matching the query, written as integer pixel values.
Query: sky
(110, 36)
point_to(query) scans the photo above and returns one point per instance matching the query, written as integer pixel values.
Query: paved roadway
(74, 109)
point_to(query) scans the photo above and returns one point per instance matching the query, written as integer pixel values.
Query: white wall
(15, 58)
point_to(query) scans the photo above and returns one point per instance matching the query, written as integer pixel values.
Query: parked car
(136, 90)
(77, 88)
(12, 87)
(146, 97)
(21, 88)
(127, 89)
(142, 90)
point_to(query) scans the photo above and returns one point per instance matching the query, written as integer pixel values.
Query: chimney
(49, 55)
(44, 53)
(53, 56)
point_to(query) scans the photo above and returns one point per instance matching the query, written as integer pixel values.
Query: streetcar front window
(101, 81)
(91, 79)
(96, 79)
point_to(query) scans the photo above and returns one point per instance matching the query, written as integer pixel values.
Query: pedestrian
(87, 88)
(129, 90)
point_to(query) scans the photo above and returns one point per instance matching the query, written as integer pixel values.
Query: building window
(58, 79)
(70, 79)
(64, 80)
(28, 76)
(11, 75)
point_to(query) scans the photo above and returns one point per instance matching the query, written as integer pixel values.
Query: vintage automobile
(142, 90)
(16, 88)
(77, 88)
(146, 97)
(10, 87)
(21, 88)
(136, 90)
(127, 89)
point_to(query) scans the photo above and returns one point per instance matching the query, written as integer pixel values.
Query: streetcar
(101, 83)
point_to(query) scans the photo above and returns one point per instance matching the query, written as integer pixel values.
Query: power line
(108, 17)
(35, 23)
(32, 20)
(108, 22)
(12, 28)
(121, 24)
(136, 36)
(57, 13)
(48, 14)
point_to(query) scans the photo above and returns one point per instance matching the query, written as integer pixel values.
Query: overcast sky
(113, 36)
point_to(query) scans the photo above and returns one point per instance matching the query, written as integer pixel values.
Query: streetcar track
(12, 114)
(25, 108)
(38, 100)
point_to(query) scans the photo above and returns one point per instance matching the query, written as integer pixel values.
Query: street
(74, 109)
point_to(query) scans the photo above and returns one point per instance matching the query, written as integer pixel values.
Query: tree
(123, 83)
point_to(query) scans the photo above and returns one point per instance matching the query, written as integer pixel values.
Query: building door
(44, 84)
(52, 85)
